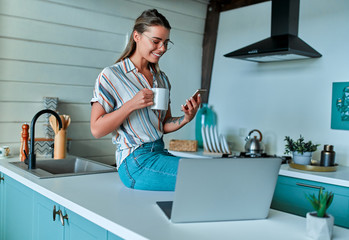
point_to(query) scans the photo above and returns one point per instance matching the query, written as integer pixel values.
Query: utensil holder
(60, 145)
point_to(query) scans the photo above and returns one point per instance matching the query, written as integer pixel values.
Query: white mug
(161, 98)
(4, 151)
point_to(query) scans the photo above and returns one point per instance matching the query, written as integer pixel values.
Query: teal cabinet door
(112, 236)
(47, 223)
(289, 196)
(77, 227)
(1, 205)
(54, 222)
(17, 213)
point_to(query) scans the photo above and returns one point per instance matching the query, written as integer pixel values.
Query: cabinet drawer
(290, 197)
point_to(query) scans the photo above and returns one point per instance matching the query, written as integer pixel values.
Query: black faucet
(32, 157)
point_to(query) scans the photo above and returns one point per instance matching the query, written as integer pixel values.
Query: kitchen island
(133, 214)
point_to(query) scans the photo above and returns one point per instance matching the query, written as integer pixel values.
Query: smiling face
(151, 44)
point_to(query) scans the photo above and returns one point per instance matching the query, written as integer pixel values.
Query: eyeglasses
(168, 44)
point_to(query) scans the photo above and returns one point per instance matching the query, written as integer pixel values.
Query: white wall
(57, 48)
(285, 98)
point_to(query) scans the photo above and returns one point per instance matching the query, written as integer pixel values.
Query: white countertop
(133, 214)
(339, 177)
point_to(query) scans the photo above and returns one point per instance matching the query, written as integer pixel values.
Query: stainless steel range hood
(284, 43)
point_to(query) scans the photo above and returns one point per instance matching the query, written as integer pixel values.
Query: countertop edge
(313, 177)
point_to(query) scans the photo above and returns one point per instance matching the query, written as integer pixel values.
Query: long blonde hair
(148, 18)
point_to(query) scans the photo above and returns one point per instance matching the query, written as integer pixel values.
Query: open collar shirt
(115, 86)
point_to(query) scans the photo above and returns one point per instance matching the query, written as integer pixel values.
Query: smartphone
(195, 95)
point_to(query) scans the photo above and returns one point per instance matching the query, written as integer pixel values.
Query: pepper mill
(327, 156)
(23, 153)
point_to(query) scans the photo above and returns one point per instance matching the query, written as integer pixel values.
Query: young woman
(121, 105)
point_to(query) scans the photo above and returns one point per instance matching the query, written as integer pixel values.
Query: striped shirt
(115, 86)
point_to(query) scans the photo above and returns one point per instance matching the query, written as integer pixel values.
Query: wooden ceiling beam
(209, 46)
(226, 5)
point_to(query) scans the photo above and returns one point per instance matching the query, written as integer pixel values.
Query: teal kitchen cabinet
(53, 221)
(289, 196)
(17, 211)
(47, 223)
(26, 214)
(111, 236)
(81, 228)
(1, 205)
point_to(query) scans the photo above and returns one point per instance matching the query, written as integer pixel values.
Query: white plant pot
(302, 158)
(319, 228)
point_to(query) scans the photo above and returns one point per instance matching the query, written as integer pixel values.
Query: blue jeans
(150, 167)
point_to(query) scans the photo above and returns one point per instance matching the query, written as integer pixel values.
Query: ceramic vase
(319, 228)
(302, 158)
(205, 116)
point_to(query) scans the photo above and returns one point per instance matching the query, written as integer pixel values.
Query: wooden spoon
(63, 121)
(53, 123)
(67, 120)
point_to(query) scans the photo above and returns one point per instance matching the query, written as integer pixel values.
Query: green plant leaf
(299, 145)
(322, 202)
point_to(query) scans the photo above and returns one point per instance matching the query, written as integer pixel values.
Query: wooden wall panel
(55, 54)
(17, 91)
(76, 131)
(38, 31)
(34, 72)
(11, 132)
(78, 111)
(190, 8)
(64, 15)
(191, 13)
(132, 8)
(17, 112)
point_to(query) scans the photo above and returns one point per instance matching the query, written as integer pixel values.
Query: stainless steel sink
(70, 166)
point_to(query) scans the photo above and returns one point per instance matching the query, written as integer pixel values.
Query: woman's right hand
(142, 99)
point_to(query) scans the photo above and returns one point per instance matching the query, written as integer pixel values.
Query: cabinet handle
(55, 213)
(62, 217)
(309, 186)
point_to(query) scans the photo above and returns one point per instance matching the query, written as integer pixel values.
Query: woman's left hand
(192, 108)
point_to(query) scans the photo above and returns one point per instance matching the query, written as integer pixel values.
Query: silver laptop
(222, 189)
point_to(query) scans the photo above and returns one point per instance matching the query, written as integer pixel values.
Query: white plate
(218, 142)
(208, 138)
(213, 141)
(225, 144)
(203, 134)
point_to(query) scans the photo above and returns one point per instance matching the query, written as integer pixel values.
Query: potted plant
(319, 224)
(302, 151)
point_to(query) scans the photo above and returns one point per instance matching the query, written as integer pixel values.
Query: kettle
(254, 145)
